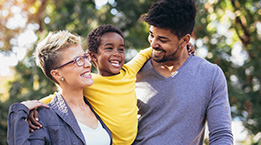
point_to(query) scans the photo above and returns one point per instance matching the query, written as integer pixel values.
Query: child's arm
(33, 117)
(47, 99)
(139, 60)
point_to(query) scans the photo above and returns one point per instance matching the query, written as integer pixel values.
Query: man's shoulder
(205, 67)
(199, 61)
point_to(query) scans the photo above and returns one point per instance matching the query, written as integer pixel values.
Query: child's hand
(191, 49)
(33, 116)
(33, 121)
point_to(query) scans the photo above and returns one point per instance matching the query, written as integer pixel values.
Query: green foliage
(221, 26)
(3, 121)
(243, 80)
(29, 84)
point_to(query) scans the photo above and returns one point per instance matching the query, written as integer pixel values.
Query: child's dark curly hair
(94, 37)
(176, 15)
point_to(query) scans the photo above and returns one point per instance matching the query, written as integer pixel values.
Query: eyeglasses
(79, 60)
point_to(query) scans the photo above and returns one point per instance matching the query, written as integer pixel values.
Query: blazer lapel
(62, 109)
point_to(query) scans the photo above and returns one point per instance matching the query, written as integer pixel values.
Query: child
(113, 95)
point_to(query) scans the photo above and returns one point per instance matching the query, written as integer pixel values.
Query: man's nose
(154, 42)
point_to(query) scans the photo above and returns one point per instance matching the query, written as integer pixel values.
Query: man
(178, 93)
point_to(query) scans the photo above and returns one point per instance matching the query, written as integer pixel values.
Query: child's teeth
(116, 62)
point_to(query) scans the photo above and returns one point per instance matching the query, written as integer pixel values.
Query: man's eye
(163, 41)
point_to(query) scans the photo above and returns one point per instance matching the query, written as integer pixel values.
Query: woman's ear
(56, 75)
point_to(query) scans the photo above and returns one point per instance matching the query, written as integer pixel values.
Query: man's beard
(167, 58)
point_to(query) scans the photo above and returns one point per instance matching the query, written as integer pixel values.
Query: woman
(69, 118)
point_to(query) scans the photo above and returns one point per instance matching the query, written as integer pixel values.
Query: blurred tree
(231, 31)
(227, 33)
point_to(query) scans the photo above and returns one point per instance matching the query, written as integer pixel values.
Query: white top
(98, 136)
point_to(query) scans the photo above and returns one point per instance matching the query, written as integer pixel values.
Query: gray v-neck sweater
(174, 110)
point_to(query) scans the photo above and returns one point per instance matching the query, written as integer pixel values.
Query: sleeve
(48, 99)
(139, 60)
(18, 128)
(218, 113)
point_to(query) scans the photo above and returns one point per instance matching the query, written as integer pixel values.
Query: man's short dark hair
(94, 37)
(176, 15)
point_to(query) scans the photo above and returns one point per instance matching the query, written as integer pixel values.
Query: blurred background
(227, 33)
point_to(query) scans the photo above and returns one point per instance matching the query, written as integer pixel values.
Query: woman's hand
(32, 104)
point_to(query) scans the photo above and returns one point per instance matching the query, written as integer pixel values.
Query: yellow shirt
(113, 98)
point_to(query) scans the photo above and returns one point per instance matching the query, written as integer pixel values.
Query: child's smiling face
(110, 56)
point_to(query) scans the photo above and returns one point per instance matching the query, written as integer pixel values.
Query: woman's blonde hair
(48, 51)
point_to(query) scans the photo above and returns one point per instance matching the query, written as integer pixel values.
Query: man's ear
(185, 40)
(56, 75)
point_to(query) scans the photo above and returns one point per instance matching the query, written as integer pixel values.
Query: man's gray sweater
(174, 110)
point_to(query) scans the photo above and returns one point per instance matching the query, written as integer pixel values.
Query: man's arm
(218, 112)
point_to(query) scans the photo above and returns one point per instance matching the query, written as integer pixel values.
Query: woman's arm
(17, 130)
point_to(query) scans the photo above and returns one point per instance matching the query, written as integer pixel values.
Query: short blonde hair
(48, 51)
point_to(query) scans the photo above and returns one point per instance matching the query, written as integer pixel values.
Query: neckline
(117, 76)
(174, 74)
(87, 127)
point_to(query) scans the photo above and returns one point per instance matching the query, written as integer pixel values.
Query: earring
(62, 79)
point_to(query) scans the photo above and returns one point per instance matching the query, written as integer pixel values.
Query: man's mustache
(158, 49)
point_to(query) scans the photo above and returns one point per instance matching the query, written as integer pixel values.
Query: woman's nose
(87, 63)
